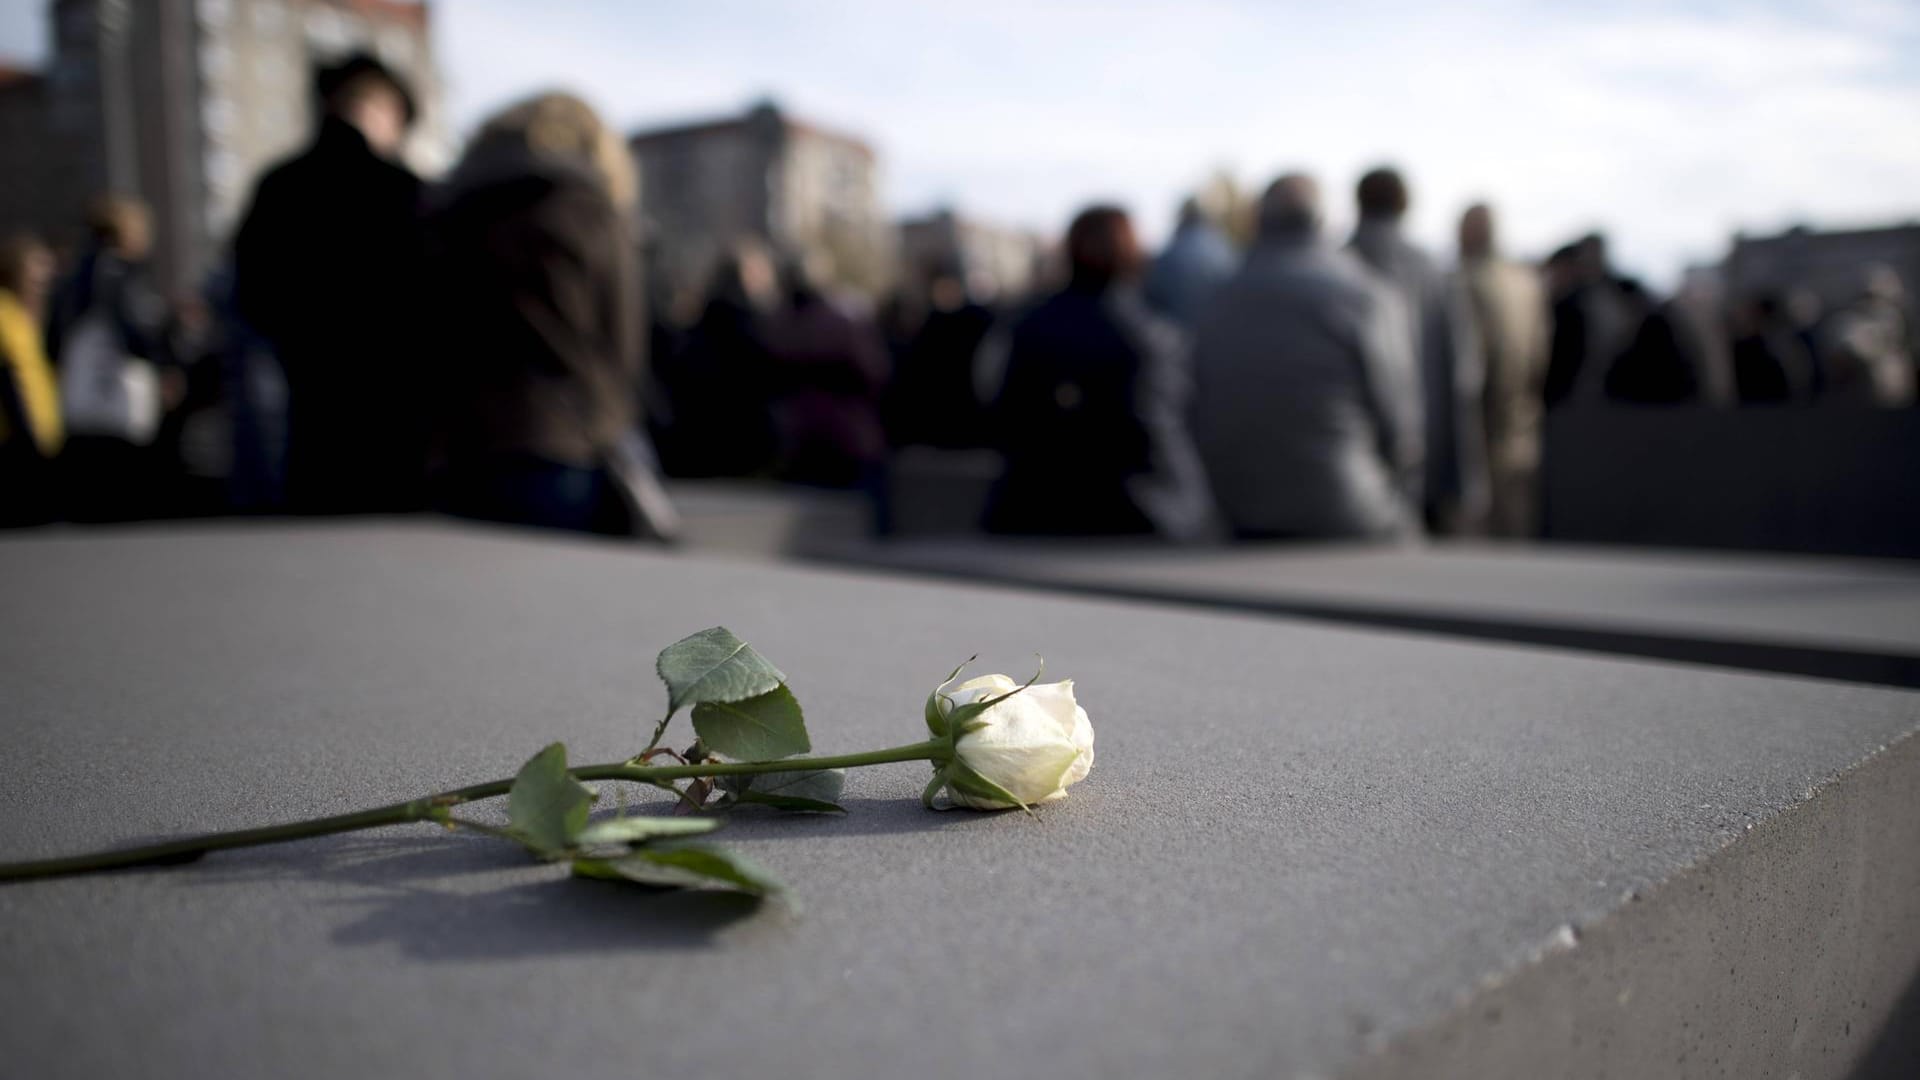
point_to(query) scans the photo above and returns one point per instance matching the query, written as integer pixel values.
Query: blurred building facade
(762, 176)
(945, 241)
(183, 103)
(1827, 263)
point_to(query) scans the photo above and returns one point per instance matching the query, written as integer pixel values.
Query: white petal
(1021, 748)
(984, 686)
(1057, 700)
(1031, 774)
(1083, 742)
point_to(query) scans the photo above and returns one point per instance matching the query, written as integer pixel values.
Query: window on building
(216, 60)
(217, 117)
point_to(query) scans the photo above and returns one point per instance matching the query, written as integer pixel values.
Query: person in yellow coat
(30, 429)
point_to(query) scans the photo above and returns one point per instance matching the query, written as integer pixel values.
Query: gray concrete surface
(1856, 619)
(764, 519)
(1303, 851)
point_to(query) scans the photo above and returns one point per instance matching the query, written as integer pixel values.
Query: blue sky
(1669, 125)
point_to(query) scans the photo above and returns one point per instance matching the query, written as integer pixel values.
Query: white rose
(1032, 744)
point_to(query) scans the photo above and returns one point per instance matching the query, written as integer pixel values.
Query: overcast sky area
(1668, 125)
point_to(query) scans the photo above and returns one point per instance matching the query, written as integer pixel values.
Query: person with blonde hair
(538, 358)
(30, 428)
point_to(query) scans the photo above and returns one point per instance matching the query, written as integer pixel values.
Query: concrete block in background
(1853, 619)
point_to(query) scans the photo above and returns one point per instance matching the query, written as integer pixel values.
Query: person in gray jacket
(1307, 404)
(1452, 370)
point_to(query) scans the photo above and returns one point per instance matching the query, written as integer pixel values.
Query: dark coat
(1772, 365)
(539, 351)
(931, 399)
(124, 290)
(1091, 420)
(828, 368)
(1593, 324)
(327, 268)
(717, 390)
(1660, 365)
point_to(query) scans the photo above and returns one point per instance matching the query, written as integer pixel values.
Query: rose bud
(1013, 746)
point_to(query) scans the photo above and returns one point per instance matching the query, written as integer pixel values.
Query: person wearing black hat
(326, 268)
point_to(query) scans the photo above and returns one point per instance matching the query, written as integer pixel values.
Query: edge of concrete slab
(1793, 951)
(1848, 664)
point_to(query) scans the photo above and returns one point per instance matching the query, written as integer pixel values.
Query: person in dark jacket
(1660, 364)
(1771, 361)
(829, 365)
(930, 401)
(716, 390)
(1090, 414)
(539, 357)
(1595, 321)
(327, 269)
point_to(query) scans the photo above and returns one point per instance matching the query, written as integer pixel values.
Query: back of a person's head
(560, 127)
(1290, 206)
(944, 283)
(1382, 193)
(338, 86)
(25, 265)
(1477, 231)
(1101, 248)
(805, 276)
(1563, 272)
(121, 225)
(1593, 253)
(1879, 281)
(370, 96)
(1767, 304)
(743, 276)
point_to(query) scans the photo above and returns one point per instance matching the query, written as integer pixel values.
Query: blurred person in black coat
(328, 270)
(1595, 320)
(716, 409)
(1771, 361)
(1090, 414)
(931, 399)
(1661, 362)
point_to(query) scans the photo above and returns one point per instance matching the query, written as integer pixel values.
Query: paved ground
(1304, 850)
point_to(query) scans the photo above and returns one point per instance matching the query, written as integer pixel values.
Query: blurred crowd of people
(482, 346)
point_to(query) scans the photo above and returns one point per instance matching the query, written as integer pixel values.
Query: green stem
(435, 807)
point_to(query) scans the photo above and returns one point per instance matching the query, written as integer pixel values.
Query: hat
(330, 80)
